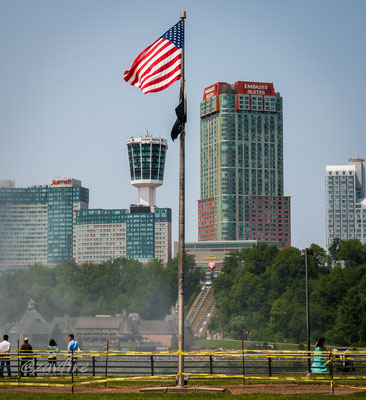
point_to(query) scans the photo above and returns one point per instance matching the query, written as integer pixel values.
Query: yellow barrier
(352, 387)
(220, 356)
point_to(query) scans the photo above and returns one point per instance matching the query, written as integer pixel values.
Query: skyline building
(142, 231)
(48, 224)
(241, 147)
(36, 223)
(345, 203)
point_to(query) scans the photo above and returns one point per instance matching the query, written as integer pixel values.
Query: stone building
(31, 325)
(123, 331)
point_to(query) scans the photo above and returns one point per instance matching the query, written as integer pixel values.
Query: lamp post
(307, 252)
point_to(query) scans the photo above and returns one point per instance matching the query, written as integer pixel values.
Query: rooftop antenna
(148, 133)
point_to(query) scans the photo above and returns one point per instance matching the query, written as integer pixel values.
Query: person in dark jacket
(26, 362)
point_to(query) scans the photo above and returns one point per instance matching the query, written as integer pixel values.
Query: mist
(112, 287)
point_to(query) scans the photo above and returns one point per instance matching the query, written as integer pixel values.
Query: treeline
(91, 289)
(262, 290)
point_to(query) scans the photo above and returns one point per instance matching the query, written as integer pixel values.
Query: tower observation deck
(146, 156)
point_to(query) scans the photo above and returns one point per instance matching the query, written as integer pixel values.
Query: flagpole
(181, 234)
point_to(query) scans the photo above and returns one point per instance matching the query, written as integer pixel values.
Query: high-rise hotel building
(241, 139)
(48, 224)
(345, 201)
(37, 223)
(142, 231)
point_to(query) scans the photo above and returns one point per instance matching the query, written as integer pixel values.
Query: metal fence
(117, 363)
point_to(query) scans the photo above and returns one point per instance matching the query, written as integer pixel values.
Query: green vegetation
(262, 290)
(249, 345)
(218, 344)
(90, 289)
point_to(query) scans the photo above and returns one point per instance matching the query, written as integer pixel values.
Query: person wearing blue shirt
(73, 347)
(73, 344)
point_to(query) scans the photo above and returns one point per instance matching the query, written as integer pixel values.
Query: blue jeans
(7, 362)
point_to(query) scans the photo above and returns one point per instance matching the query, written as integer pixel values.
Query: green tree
(258, 258)
(192, 279)
(267, 295)
(351, 252)
(334, 249)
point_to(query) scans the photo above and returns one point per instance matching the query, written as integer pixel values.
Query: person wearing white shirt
(5, 348)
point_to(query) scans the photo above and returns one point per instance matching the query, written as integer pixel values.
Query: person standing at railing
(52, 360)
(5, 348)
(319, 366)
(26, 362)
(73, 347)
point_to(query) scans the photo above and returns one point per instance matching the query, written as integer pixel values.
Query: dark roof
(95, 322)
(168, 326)
(73, 324)
(158, 327)
(32, 323)
(63, 324)
(67, 324)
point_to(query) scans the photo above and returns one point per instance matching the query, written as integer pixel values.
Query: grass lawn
(229, 344)
(236, 345)
(168, 396)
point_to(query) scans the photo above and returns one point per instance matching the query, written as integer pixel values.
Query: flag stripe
(145, 60)
(153, 79)
(160, 64)
(163, 65)
(164, 51)
(163, 85)
(161, 82)
(129, 75)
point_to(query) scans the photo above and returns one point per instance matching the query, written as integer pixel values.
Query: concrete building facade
(36, 223)
(345, 201)
(139, 232)
(211, 253)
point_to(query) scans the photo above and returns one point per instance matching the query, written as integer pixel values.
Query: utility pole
(307, 252)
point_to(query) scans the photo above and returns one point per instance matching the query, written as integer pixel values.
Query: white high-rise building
(146, 156)
(345, 201)
(142, 231)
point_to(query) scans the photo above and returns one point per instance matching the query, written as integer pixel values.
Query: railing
(86, 367)
(205, 317)
(196, 306)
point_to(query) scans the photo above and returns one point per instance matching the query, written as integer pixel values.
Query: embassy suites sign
(255, 88)
(240, 87)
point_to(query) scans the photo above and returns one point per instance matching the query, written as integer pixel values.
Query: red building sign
(240, 87)
(61, 182)
(255, 88)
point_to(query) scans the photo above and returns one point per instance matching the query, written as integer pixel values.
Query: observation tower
(146, 156)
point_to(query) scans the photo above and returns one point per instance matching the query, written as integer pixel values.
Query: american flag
(159, 65)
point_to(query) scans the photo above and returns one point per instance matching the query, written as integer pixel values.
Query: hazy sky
(65, 110)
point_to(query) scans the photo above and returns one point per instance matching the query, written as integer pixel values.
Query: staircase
(201, 311)
(202, 326)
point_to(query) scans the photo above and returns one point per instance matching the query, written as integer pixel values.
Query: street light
(307, 252)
